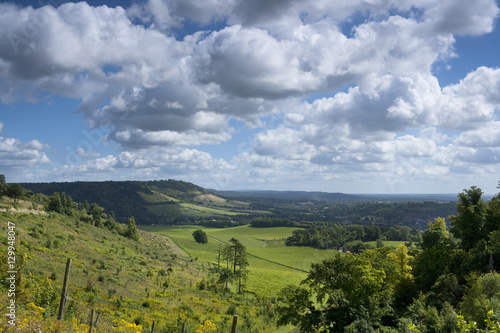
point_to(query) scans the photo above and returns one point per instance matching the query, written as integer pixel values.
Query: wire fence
(98, 321)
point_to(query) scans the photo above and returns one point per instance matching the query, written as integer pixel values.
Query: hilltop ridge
(150, 202)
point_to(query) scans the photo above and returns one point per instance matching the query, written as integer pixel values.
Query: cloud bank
(343, 91)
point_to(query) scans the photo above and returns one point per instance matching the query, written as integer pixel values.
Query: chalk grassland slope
(122, 278)
(210, 197)
(209, 210)
(8, 204)
(272, 264)
(150, 202)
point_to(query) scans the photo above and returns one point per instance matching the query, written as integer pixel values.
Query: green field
(393, 244)
(272, 264)
(209, 210)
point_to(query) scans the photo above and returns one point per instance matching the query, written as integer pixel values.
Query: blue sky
(357, 97)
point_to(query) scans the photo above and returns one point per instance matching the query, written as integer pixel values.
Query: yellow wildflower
(206, 327)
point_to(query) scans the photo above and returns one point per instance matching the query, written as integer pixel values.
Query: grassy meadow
(272, 264)
(136, 281)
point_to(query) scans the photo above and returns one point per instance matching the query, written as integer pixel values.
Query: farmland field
(209, 210)
(272, 264)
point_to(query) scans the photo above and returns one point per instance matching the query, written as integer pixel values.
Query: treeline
(412, 214)
(328, 235)
(17, 192)
(335, 235)
(449, 284)
(268, 222)
(64, 204)
(90, 213)
(119, 197)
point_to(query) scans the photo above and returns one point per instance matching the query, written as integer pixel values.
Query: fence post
(184, 327)
(153, 327)
(91, 320)
(62, 304)
(97, 319)
(235, 323)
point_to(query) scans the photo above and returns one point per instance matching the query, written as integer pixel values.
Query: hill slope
(150, 202)
(136, 281)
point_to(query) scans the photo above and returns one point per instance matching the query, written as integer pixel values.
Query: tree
(15, 191)
(236, 262)
(469, 223)
(54, 204)
(3, 186)
(482, 295)
(225, 276)
(493, 214)
(200, 236)
(131, 231)
(240, 260)
(96, 213)
(436, 255)
(298, 309)
(70, 205)
(64, 200)
(401, 258)
(345, 290)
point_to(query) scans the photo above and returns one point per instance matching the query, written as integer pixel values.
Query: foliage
(240, 262)
(15, 191)
(492, 324)
(436, 255)
(3, 186)
(206, 327)
(469, 223)
(54, 204)
(401, 257)
(132, 232)
(428, 289)
(352, 237)
(268, 222)
(345, 289)
(200, 236)
(482, 295)
(126, 327)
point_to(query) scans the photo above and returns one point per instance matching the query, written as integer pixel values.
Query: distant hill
(339, 198)
(148, 201)
(292, 195)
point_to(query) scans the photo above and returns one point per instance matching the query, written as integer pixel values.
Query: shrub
(231, 310)
(200, 236)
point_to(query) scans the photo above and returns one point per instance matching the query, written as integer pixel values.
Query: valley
(290, 262)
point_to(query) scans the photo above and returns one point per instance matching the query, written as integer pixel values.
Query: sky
(353, 96)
